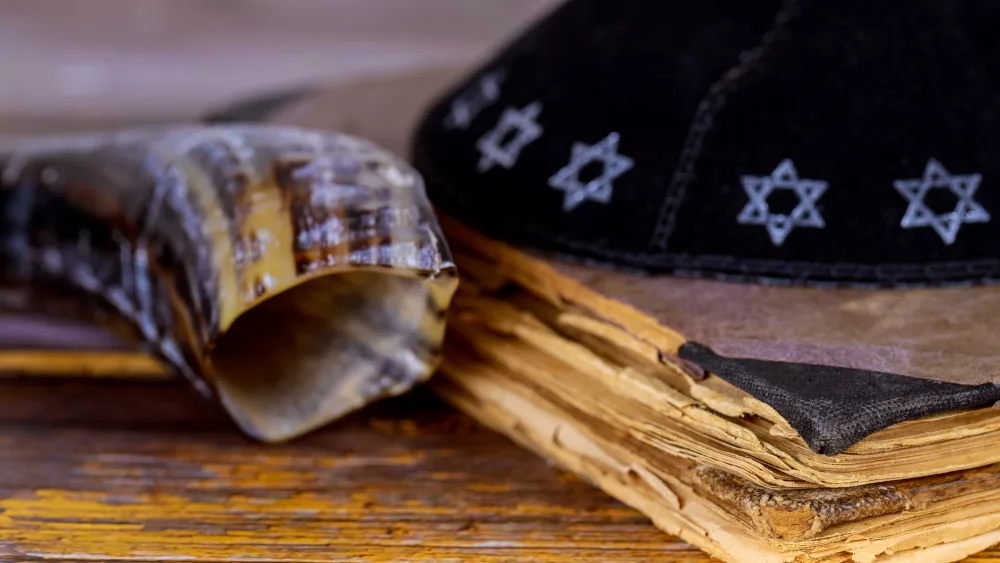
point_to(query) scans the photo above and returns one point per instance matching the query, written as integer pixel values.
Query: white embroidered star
(599, 189)
(469, 104)
(946, 224)
(522, 123)
(784, 177)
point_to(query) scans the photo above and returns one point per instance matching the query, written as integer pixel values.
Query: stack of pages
(585, 379)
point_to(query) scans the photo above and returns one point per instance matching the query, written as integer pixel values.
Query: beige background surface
(100, 60)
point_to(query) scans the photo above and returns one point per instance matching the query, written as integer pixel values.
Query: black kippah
(842, 142)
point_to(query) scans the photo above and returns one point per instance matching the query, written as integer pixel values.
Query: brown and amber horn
(294, 275)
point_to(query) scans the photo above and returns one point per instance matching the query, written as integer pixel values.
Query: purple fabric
(24, 331)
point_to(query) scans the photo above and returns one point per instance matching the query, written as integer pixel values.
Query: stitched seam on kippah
(763, 271)
(704, 118)
(846, 274)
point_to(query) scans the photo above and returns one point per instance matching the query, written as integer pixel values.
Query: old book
(573, 375)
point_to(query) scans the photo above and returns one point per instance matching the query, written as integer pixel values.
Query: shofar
(293, 274)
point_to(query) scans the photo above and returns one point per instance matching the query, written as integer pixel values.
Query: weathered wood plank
(149, 472)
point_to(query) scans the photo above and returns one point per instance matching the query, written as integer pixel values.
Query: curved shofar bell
(296, 275)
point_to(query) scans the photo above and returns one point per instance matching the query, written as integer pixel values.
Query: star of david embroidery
(946, 224)
(599, 189)
(519, 121)
(784, 177)
(467, 106)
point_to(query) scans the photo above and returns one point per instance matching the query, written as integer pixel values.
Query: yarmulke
(848, 143)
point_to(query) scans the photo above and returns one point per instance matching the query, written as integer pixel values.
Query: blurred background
(81, 63)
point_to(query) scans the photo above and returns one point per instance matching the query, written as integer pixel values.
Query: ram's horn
(295, 275)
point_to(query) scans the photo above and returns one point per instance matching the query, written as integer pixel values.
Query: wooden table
(96, 470)
(100, 470)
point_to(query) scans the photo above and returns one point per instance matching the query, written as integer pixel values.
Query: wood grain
(149, 472)
(145, 471)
